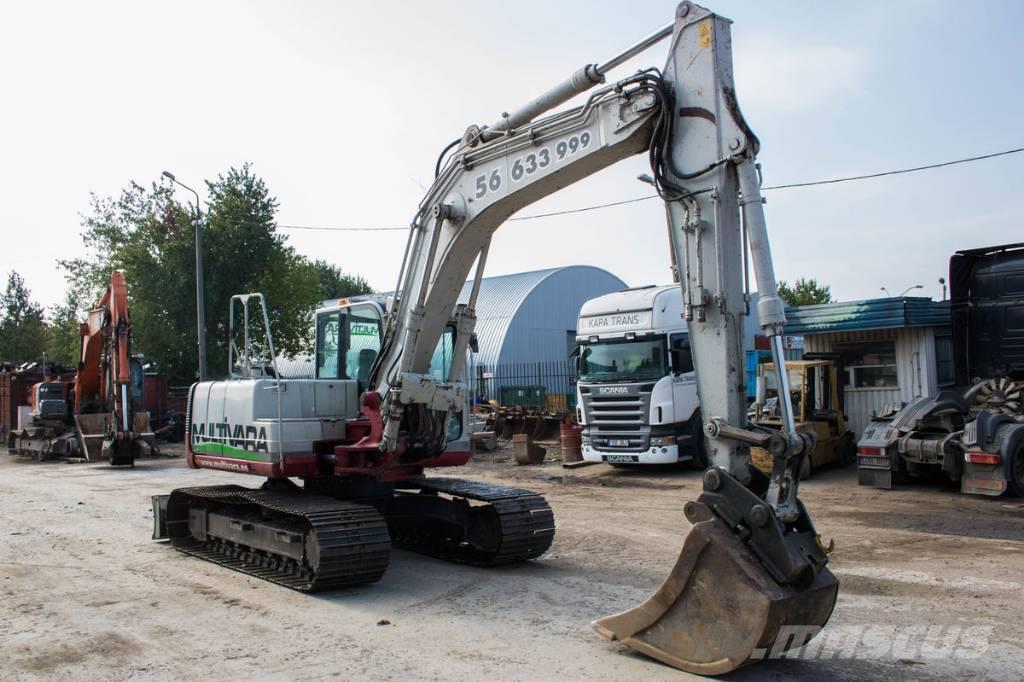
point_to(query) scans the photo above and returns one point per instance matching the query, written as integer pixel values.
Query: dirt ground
(87, 594)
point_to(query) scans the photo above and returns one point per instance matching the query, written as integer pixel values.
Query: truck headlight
(658, 442)
(585, 440)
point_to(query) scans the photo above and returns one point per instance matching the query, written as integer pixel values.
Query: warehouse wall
(916, 373)
(543, 322)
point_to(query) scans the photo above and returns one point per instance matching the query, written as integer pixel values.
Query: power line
(340, 229)
(897, 172)
(596, 207)
(585, 208)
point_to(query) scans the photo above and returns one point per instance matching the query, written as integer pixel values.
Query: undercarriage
(311, 542)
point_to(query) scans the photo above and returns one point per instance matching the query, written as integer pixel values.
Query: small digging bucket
(719, 609)
(93, 435)
(92, 430)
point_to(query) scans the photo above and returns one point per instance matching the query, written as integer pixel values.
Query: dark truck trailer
(987, 310)
(973, 434)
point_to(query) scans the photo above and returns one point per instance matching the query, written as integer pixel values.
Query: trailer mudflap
(719, 609)
(875, 478)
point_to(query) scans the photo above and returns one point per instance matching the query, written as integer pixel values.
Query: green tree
(151, 237)
(335, 283)
(64, 341)
(23, 331)
(246, 253)
(805, 292)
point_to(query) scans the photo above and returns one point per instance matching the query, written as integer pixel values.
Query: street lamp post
(200, 303)
(916, 286)
(904, 292)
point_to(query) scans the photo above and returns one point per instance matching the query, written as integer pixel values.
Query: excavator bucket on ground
(95, 442)
(92, 429)
(719, 609)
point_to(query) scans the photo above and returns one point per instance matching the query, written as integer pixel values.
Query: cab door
(685, 401)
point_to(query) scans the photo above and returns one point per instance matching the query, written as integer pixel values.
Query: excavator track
(510, 525)
(342, 543)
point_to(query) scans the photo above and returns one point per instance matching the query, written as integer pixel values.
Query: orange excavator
(92, 416)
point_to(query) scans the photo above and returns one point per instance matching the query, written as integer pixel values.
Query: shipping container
(154, 394)
(15, 391)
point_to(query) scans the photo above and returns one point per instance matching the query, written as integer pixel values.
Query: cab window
(363, 326)
(441, 360)
(347, 343)
(679, 353)
(328, 345)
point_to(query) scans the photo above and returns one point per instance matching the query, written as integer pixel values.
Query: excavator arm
(103, 406)
(753, 563)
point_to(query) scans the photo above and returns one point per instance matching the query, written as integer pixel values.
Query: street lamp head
(644, 177)
(169, 175)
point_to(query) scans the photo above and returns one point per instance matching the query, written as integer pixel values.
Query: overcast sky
(343, 107)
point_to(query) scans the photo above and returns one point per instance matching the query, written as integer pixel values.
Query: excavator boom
(105, 420)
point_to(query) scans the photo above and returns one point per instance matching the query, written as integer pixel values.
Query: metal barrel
(571, 440)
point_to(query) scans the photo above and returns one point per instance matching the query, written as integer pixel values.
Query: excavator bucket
(719, 609)
(92, 429)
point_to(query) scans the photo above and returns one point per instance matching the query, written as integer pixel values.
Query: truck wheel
(698, 452)
(1015, 486)
(847, 450)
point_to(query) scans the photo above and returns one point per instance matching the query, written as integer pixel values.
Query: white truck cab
(637, 390)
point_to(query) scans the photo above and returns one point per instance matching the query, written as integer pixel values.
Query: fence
(547, 386)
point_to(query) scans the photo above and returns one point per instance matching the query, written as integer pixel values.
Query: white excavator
(752, 565)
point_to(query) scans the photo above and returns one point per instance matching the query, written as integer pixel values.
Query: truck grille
(623, 419)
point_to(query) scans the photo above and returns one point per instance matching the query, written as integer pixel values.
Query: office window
(870, 365)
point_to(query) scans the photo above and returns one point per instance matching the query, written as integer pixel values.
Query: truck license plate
(622, 459)
(618, 442)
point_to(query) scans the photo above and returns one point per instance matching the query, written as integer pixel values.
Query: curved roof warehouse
(526, 317)
(531, 316)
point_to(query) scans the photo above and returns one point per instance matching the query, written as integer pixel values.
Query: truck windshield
(623, 361)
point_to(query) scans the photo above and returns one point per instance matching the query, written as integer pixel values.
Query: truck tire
(698, 452)
(1015, 482)
(847, 450)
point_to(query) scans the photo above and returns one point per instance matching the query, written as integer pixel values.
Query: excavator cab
(50, 400)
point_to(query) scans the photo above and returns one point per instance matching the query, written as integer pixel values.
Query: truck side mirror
(474, 343)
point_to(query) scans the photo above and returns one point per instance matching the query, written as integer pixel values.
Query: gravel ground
(931, 586)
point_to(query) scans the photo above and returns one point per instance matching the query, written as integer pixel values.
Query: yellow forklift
(814, 393)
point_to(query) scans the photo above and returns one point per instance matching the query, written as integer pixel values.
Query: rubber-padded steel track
(514, 524)
(346, 543)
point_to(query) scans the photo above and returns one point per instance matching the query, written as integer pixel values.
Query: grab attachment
(743, 584)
